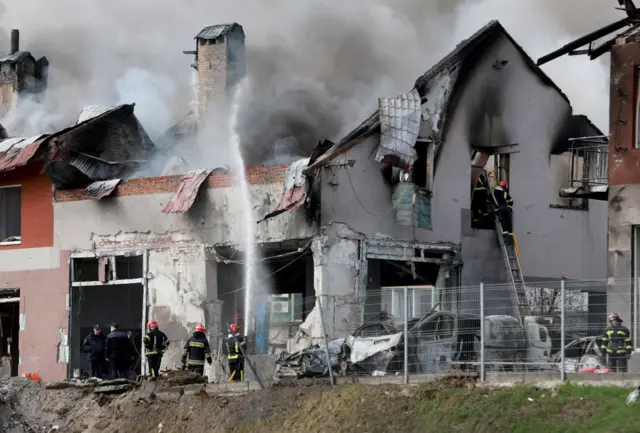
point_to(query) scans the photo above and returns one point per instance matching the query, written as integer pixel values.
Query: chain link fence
(417, 330)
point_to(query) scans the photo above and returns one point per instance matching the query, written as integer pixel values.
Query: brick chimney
(15, 41)
(220, 62)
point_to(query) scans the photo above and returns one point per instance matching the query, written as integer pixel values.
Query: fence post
(326, 342)
(563, 373)
(482, 373)
(406, 336)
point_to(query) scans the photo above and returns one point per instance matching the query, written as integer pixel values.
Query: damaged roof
(19, 151)
(187, 192)
(16, 57)
(214, 32)
(101, 147)
(466, 49)
(91, 111)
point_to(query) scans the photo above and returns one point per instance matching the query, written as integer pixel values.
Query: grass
(435, 408)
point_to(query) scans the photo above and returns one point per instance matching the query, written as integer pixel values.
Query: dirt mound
(180, 377)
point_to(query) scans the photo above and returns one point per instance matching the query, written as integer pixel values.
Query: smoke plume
(316, 68)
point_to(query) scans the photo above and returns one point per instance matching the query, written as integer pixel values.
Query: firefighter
(94, 344)
(118, 351)
(504, 206)
(197, 351)
(479, 199)
(234, 347)
(617, 343)
(155, 343)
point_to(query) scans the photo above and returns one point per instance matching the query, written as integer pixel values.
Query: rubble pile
(180, 377)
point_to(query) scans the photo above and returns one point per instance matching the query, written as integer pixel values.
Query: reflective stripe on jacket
(196, 350)
(232, 346)
(156, 342)
(503, 199)
(617, 340)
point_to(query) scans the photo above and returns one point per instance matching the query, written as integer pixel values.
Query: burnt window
(10, 214)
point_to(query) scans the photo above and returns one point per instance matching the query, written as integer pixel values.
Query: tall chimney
(15, 41)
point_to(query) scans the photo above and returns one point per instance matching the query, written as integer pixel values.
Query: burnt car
(581, 353)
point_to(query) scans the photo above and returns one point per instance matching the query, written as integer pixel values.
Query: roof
(578, 126)
(101, 147)
(187, 192)
(448, 64)
(16, 57)
(217, 30)
(19, 151)
(90, 111)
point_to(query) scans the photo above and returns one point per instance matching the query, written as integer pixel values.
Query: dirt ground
(455, 404)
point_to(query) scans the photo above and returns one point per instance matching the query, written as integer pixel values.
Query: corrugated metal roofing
(215, 31)
(101, 189)
(95, 168)
(295, 189)
(187, 192)
(18, 151)
(399, 128)
(15, 57)
(91, 111)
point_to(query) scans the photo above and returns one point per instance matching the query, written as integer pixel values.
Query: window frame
(18, 242)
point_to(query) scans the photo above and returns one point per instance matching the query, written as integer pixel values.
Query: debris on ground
(180, 377)
(98, 386)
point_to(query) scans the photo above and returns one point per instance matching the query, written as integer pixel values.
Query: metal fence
(422, 329)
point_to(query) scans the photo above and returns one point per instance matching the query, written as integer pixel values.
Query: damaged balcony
(589, 168)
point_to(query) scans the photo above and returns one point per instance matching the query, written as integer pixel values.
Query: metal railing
(414, 331)
(589, 162)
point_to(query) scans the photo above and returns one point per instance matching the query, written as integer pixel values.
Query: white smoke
(317, 67)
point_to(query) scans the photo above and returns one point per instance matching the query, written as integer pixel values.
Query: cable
(264, 259)
(360, 203)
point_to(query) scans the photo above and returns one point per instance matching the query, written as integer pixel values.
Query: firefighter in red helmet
(234, 347)
(197, 351)
(155, 344)
(617, 343)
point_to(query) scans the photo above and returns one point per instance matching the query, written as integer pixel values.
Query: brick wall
(170, 184)
(212, 72)
(37, 206)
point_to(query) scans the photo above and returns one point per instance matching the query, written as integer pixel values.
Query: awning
(295, 189)
(187, 191)
(101, 189)
(18, 151)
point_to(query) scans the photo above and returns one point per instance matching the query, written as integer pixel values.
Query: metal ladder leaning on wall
(513, 267)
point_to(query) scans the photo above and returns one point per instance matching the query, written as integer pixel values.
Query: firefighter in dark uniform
(504, 206)
(479, 198)
(119, 350)
(197, 351)
(155, 343)
(617, 343)
(232, 348)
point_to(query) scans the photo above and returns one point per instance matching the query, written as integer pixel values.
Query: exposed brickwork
(212, 72)
(170, 184)
(37, 206)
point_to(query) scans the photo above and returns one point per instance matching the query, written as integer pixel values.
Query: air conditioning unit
(280, 307)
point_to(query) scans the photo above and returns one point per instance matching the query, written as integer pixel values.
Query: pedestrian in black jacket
(119, 349)
(95, 344)
(196, 351)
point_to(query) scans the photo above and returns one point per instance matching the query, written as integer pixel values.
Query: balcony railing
(589, 168)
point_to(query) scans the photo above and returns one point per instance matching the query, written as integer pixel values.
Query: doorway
(9, 332)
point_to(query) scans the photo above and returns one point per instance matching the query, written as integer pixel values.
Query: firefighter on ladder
(504, 206)
(234, 347)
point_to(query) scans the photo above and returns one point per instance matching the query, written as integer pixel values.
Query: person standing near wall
(504, 206)
(118, 352)
(155, 343)
(234, 347)
(196, 351)
(479, 199)
(617, 342)
(94, 344)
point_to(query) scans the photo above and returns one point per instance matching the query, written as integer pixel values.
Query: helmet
(199, 328)
(233, 327)
(614, 316)
(503, 184)
(152, 324)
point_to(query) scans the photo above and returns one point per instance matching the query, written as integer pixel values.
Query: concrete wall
(525, 111)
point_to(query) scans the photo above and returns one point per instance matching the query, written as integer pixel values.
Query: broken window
(439, 327)
(420, 301)
(10, 214)
(560, 167)
(107, 268)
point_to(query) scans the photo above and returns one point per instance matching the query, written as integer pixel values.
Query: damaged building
(387, 206)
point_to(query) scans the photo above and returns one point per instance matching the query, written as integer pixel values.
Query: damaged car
(582, 354)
